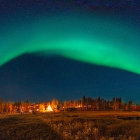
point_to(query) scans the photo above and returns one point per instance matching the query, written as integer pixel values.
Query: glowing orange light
(49, 109)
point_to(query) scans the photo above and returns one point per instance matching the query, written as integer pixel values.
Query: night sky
(67, 49)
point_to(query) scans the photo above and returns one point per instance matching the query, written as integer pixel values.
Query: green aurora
(93, 39)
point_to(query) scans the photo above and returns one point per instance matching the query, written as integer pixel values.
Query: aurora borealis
(66, 49)
(94, 39)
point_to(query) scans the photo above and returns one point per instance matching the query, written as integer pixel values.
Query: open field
(71, 125)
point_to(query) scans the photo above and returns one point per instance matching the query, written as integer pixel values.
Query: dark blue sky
(40, 78)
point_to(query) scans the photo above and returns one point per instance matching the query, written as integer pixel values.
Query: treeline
(84, 104)
(13, 107)
(100, 104)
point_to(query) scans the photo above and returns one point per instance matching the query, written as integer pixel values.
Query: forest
(84, 104)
